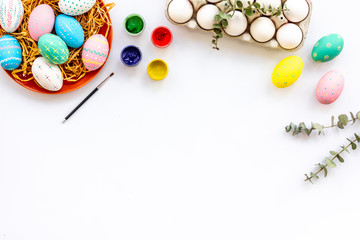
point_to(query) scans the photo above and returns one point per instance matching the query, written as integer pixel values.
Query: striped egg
(75, 7)
(11, 14)
(53, 48)
(95, 52)
(47, 75)
(10, 53)
(69, 30)
(41, 21)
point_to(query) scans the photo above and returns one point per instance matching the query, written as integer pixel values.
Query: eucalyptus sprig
(342, 121)
(222, 19)
(329, 161)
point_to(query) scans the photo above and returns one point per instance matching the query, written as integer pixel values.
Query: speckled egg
(328, 48)
(53, 48)
(10, 53)
(11, 14)
(330, 87)
(95, 52)
(41, 21)
(287, 72)
(75, 7)
(69, 30)
(47, 75)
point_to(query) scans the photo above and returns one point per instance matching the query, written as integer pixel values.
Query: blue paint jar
(131, 56)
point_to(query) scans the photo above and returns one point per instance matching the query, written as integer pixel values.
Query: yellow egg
(287, 72)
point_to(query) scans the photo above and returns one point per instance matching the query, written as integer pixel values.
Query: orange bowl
(69, 86)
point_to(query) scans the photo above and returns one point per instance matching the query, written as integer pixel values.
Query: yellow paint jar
(157, 69)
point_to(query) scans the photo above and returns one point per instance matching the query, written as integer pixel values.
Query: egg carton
(246, 36)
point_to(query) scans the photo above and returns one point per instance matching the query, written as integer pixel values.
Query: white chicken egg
(180, 11)
(244, 2)
(268, 3)
(262, 29)
(289, 36)
(237, 24)
(205, 16)
(214, 1)
(298, 10)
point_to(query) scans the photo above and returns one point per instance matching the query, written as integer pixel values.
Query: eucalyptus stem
(330, 161)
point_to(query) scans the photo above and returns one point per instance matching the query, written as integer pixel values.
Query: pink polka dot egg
(330, 87)
(41, 21)
(95, 52)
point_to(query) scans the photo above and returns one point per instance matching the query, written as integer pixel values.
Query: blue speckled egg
(53, 48)
(10, 52)
(69, 30)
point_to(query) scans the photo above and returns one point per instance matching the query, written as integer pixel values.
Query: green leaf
(333, 153)
(249, 12)
(213, 41)
(239, 4)
(219, 35)
(325, 172)
(340, 159)
(216, 25)
(353, 117)
(345, 149)
(216, 30)
(278, 13)
(257, 5)
(340, 125)
(308, 131)
(288, 129)
(332, 121)
(358, 115)
(224, 15)
(217, 18)
(318, 127)
(330, 163)
(313, 175)
(344, 119)
(357, 137)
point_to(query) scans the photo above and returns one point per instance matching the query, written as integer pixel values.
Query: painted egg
(69, 30)
(287, 72)
(53, 48)
(47, 75)
(330, 87)
(11, 14)
(75, 7)
(328, 48)
(95, 52)
(41, 21)
(10, 52)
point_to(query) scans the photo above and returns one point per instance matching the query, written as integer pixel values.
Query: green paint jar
(134, 24)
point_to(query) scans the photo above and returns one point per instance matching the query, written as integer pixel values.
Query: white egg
(268, 3)
(298, 10)
(11, 14)
(244, 2)
(237, 24)
(180, 11)
(214, 1)
(205, 16)
(262, 29)
(289, 36)
(47, 75)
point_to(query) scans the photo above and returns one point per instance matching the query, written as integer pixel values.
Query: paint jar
(131, 56)
(157, 69)
(161, 37)
(134, 24)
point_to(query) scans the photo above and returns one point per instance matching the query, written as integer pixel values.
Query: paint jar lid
(134, 24)
(158, 69)
(131, 56)
(161, 37)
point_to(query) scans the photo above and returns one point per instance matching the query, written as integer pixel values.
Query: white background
(200, 155)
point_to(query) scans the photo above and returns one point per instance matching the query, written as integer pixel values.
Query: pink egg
(95, 52)
(41, 21)
(330, 87)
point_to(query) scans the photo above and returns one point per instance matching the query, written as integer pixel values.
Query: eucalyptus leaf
(330, 163)
(344, 119)
(333, 153)
(313, 175)
(353, 117)
(357, 137)
(340, 159)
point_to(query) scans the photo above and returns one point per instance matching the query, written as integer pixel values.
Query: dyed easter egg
(75, 7)
(95, 52)
(53, 48)
(41, 21)
(10, 53)
(69, 30)
(11, 14)
(47, 75)
(330, 87)
(287, 72)
(328, 48)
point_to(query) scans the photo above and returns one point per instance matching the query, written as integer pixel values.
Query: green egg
(328, 48)
(53, 49)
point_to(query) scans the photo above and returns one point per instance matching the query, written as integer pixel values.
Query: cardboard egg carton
(246, 36)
